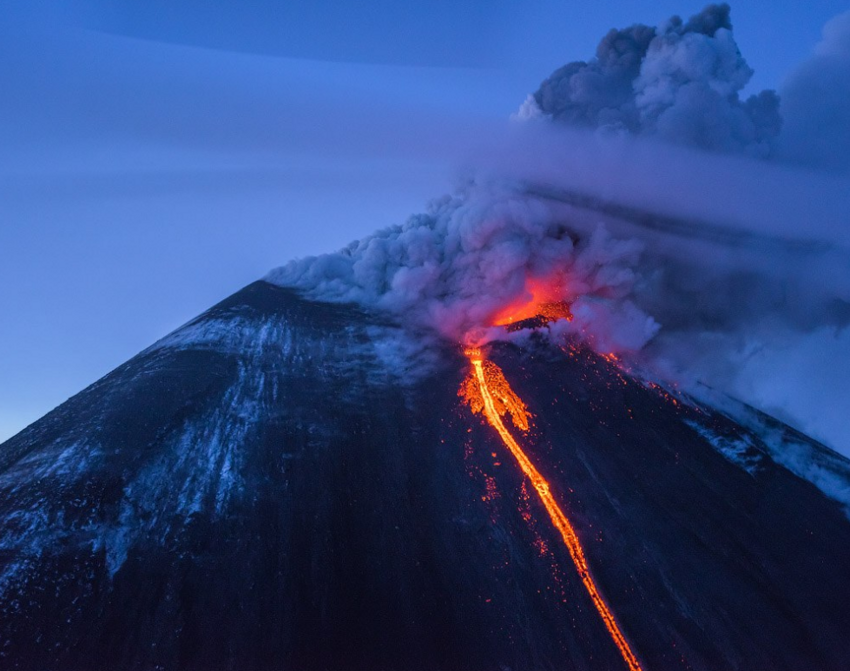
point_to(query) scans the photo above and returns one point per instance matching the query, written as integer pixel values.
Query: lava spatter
(486, 390)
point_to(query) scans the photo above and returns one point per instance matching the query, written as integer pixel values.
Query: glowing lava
(487, 390)
(543, 301)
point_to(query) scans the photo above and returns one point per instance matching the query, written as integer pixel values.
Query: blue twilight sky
(157, 156)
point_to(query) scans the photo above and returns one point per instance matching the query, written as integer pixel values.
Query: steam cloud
(700, 266)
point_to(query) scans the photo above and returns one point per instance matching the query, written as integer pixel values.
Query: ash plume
(453, 267)
(679, 82)
(704, 267)
(816, 103)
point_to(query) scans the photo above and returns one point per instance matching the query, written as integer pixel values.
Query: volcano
(272, 487)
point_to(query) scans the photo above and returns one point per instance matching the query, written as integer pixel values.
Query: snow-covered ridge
(803, 456)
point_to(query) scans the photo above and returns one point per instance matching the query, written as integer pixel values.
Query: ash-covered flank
(265, 489)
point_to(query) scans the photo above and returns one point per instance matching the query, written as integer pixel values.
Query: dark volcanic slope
(258, 491)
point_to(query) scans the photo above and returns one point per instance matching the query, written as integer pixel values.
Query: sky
(157, 156)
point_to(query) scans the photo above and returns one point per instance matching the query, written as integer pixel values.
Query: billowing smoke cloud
(452, 269)
(701, 266)
(816, 103)
(679, 82)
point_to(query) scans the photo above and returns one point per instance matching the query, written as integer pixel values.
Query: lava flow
(487, 390)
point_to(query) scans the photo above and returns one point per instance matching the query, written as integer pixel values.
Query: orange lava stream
(505, 400)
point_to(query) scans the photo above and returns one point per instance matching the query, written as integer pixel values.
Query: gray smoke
(702, 267)
(451, 269)
(679, 82)
(816, 103)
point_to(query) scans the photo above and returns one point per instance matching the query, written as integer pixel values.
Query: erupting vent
(543, 302)
(546, 314)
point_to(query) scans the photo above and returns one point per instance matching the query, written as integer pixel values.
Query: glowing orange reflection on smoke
(486, 390)
(542, 299)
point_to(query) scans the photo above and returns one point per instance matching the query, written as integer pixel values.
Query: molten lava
(486, 390)
(542, 303)
(503, 398)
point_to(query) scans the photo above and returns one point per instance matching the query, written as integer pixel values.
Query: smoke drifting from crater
(450, 270)
(710, 267)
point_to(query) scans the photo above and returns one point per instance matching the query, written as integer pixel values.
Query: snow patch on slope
(201, 454)
(803, 456)
(236, 335)
(740, 450)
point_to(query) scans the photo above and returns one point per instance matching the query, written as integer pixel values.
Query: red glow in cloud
(543, 299)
